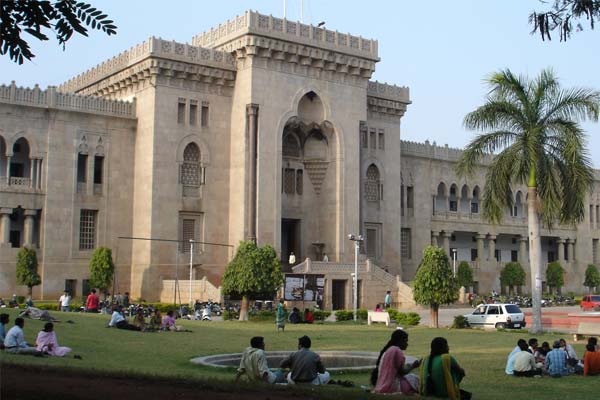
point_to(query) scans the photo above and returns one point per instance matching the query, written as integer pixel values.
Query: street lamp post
(454, 261)
(356, 239)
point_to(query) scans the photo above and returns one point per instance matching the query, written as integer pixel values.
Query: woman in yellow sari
(440, 374)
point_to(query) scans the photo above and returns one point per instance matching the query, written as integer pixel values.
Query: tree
(555, 276)
(63, 18)
(102, 269)
(561, 15)
(27, 269)
(512, 275)
(434, 282)
(254, 270)
(464, 275)
(592, 277)
(533, 132)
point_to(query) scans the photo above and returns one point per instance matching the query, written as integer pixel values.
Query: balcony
(476, 218)
(18, 184)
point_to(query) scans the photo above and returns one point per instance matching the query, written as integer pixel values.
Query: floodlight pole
(356, 239)
(454, 261)
(191, 267)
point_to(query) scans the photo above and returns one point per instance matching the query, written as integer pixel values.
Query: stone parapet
(155, 47)
(386, 91)
(253, 23)
(51, 98)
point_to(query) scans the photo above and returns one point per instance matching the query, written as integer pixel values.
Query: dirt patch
(32, 382)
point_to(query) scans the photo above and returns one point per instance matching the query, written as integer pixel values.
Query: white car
(497, 316)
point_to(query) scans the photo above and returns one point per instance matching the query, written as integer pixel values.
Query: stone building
(261, 129)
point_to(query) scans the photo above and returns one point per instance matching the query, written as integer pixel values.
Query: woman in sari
(46, 342)
(280, 316)
(440, 373)
(391, 375)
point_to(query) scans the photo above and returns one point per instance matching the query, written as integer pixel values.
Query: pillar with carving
(434, 238)
(28, 227)
(5, 213)
(446, 236)
(561, 249)
(492, 248)
(252, 129)
(571, 249)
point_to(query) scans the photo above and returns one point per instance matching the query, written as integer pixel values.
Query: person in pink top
(46, 342)
(391, 375)
(91, 304)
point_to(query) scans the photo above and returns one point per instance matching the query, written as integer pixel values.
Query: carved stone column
(31, 170)
(492, 248)
(28, 227)
(571, 249)
(523, 256)
(561, 249)
(8, 170)
(39, 174)
(480, 256)
(5, 226)
(252, 130)
(446, 236)
(435, 238)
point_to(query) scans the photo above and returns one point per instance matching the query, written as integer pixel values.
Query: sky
(441, 50)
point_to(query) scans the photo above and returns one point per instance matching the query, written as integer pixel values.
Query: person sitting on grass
(391, 375)
(294, 317)
(4, 318)
(556, 361)
(591, 361)
(156, 320)
(119, 320)
(308, 317)
(168, 323)
(254, 364)
(15, 343)
(46, 342)
(540, 352)
(510, 362)
(524, 363)
(305, 365)
(440, 373)
(139, 319)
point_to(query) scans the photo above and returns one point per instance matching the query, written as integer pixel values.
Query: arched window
(475, 201)
(190, 173)
(373, 187)
(290, 146)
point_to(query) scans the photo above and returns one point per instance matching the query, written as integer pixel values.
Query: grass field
(482, 354)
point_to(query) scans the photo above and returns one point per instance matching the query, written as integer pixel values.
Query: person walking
(387, 302)
(64, 302)
(280, 316)
(92, 301)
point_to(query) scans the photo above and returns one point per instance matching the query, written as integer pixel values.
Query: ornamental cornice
(153, 48)
(389, 92)
(383, 106)
(253, 23)
(299, 58)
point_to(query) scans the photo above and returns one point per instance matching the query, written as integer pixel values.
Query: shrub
(405, 319)
(321, 315)
(343, 315)
(460, 322)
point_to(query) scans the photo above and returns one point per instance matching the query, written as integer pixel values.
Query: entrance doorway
(338, 294)
(290, 240)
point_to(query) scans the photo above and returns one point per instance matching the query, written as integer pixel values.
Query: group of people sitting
(14, 342)
(304, 365)
(529, 360)
(440, 374)
(155, 323)
(296, 318)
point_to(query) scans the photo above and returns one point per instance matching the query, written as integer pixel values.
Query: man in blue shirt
(556, 361)
(388, 300)
(510, 362)
(14, 342)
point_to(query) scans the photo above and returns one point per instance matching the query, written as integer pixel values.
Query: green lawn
(482, 354)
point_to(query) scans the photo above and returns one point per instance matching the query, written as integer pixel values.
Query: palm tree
(531, 127)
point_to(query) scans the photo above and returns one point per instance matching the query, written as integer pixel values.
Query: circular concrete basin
(333, 360)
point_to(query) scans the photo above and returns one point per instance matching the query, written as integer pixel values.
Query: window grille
(289, 181)
(190, 172)
(188, 226)
(299, 176)
(372, 185)
(87, 229)
(405, 245)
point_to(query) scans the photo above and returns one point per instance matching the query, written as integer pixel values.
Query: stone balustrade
(51, 98)
(252, 22)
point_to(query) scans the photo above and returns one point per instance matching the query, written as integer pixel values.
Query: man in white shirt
(15, 343)
(64, 302)
(118, 320)
(524, 362)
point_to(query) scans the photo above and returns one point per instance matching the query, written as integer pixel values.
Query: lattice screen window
(372, 186)
(405, 239)
(290, 147)
(87, 229)
(299, 177)
(289, 181)
(189, 229)
(190, 172)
